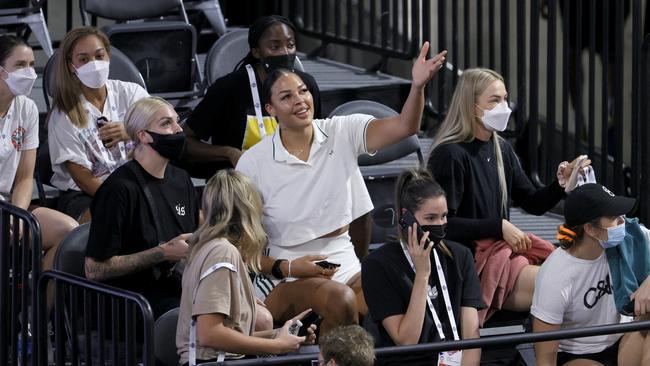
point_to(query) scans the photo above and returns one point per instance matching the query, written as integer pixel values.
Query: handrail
(99, 288)
(20, 265)
(494, 341)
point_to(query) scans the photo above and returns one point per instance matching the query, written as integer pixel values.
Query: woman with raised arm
(311, 186)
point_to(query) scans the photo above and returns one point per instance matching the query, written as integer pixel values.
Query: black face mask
(436, 232)
(168, 146)
(279, 62)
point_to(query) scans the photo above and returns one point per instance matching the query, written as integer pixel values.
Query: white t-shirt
(306, 200)
(576, 293)
(18, 132)
(82, 145)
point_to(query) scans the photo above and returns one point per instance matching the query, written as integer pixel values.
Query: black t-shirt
(223, 112)
(122, 222)
(387, 282)
(468, 173)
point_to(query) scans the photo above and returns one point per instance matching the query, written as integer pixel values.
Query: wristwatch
(276, 271)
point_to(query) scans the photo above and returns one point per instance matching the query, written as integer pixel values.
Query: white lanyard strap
(192, 349)
(256, 100)
(445, 295)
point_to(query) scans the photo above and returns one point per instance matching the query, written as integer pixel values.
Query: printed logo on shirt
(180, 210)
(17, 137)
(594, 294)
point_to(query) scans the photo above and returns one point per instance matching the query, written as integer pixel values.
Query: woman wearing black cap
(603, 262)
(229, 113)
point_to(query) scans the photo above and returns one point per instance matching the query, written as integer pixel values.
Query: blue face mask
(615, 236)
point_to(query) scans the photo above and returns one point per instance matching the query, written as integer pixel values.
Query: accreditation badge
(450, 358)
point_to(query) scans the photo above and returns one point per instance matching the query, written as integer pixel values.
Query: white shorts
(338, 249)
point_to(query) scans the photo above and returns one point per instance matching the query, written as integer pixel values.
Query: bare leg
(334, 301)
(521, 297)
(634, 348)
(583, 362)
(355, 285)
(54, 227)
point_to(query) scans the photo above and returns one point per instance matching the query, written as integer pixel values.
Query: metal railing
(486, 342)
(390, 28)
(94, 323)
(20, 266)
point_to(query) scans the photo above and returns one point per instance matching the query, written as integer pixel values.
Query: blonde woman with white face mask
(19, 141)
(482, 174)
(87, 139)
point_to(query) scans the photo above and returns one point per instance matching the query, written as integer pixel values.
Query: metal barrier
(89, 316)
(495, 341)
(20, 264)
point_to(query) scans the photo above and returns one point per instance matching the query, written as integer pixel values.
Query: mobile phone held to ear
(327, 265)
(407, 220)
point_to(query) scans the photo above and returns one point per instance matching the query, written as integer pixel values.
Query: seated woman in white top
(87, 139)
(19, 140)
(217, 291)
(312, 189)
(575, 287)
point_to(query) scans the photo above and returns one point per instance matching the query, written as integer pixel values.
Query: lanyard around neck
(256, 100)
(445, 295)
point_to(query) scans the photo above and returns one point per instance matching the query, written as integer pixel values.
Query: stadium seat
(163, 50)
(212, 12)
(165, 338)
(121, 68)
(71, 252)
(226, 52)
(396, 151)
(27, 12)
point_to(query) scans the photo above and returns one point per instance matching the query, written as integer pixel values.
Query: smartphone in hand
(327, 265)
(407, 220)
(307, 321)
(101, 122)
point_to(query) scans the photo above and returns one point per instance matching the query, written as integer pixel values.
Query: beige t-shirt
(224, 292)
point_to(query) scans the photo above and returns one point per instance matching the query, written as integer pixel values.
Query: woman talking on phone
(406, 298)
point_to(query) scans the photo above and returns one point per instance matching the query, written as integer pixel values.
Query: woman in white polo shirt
(312, 189)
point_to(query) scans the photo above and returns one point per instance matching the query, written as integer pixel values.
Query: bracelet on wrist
(276, 271)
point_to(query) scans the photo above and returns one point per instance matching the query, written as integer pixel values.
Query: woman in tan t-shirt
(217, 291)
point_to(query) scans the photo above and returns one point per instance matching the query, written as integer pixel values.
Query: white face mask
(496, 119)
(20, 81)
(93, 74)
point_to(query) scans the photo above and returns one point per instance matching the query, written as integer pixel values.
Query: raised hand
(423, 69)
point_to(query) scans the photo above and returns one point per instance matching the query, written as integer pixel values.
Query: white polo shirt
(18, 133)
(306, 200)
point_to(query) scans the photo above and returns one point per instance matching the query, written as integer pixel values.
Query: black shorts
(608, 356)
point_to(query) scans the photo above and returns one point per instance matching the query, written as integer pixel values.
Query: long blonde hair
(233, 210)
(461, 121)
(67, 96)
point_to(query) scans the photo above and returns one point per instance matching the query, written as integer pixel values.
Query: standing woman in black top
(227, 114)
(401, 282)
(481, 173)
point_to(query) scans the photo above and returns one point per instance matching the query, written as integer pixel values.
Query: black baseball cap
(591, 201)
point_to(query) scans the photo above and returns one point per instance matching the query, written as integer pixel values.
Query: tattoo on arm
(121, 265)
